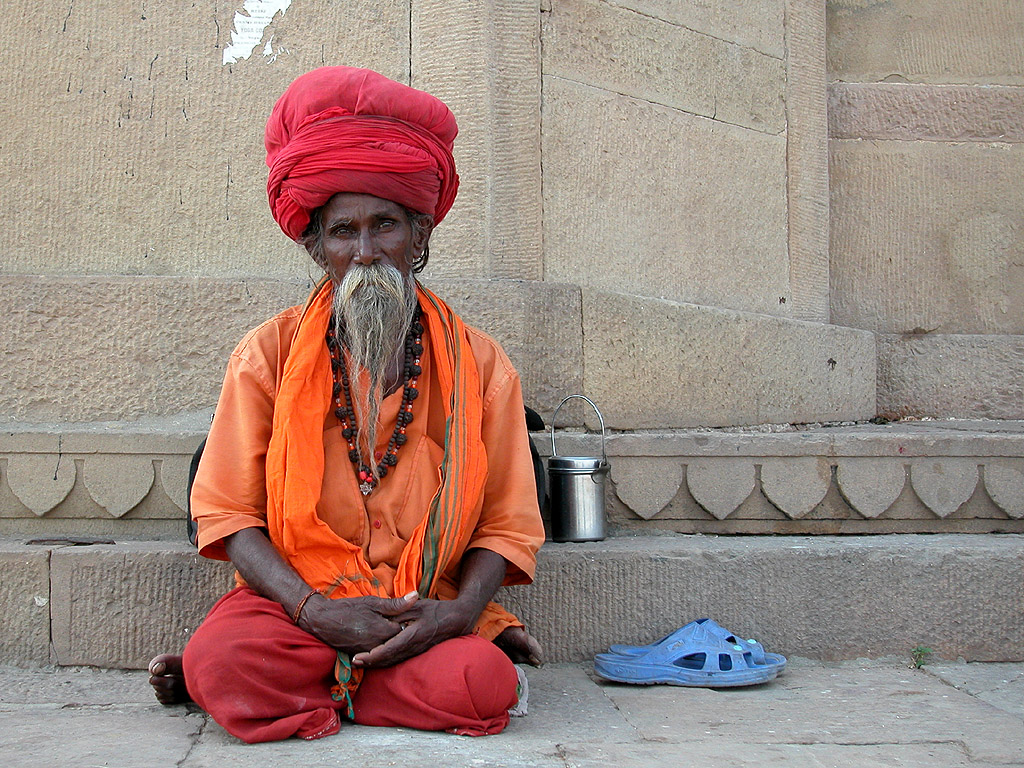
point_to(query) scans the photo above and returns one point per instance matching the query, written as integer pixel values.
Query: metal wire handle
(554, 452)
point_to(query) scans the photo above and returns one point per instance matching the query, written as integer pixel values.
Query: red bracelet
(302, 604)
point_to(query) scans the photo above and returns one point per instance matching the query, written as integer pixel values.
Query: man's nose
(366, 249)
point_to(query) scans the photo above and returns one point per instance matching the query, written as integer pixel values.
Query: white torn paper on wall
(250, 25)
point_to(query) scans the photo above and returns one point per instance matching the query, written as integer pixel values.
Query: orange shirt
(229, 492)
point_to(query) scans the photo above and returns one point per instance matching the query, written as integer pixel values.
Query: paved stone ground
(849, 714)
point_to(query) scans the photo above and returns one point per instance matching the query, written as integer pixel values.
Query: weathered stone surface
(824, 597)
(164, 350)
(1004, 481)
(720, 486)
(482, 58)
(867, 705)
(890, 716)
(118, 483)
(926, 237)
(163, 171)
(807, 160)
(757, 24)
(647, 485)
(174, 478)
(871, 485)
(95, 737)
(1001, 685)
(689, 365)
(944, 484)
(966, 376)
(40, 481)
(796, 486)
(926, 41)
(538, 324)
(908, 112)
(638, 55)
(115, 606)
(645, 199)
(24, 603)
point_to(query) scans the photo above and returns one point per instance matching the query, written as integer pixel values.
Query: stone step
(820, 597)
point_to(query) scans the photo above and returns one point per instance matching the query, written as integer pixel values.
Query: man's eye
(387, 224)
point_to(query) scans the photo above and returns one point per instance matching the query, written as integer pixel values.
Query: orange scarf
(295, 468)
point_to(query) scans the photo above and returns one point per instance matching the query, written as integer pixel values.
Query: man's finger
(392, 606)
(396, 649)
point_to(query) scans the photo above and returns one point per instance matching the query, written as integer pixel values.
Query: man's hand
(520, 646)
(355, 624)
(423, 625)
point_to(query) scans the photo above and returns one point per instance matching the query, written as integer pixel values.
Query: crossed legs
(263, 679)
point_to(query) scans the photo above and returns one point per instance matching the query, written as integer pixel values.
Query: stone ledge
(958, 375)
(820, 597)
(128, 481)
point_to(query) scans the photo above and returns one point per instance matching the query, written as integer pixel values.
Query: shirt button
(376, 523)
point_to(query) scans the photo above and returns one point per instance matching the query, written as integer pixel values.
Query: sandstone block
(619, 50)
(926, 237)
(482, 57)
(910, 112)
(648, 200)
(807, 160)
(163, 171)
(538, 324)
(25, 603)
(157, 347)
(926, 41)
(720, 486)
(682, 365)
(951, 375)
(871, 596)
(116, 606)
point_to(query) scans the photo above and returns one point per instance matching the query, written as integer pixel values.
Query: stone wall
(926, 109)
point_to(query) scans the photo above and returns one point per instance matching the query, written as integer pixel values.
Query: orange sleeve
(510, 522)
(230, 490)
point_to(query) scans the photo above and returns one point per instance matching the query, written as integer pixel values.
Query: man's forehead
(348, 205)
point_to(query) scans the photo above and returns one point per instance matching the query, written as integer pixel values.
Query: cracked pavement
(854, 713)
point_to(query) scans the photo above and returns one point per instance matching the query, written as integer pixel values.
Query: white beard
(373, 309)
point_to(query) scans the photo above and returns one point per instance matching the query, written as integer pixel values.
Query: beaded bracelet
(302, 604)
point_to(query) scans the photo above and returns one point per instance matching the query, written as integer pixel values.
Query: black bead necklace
(346, 413)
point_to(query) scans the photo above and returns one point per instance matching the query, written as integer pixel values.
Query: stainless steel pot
(577, 489)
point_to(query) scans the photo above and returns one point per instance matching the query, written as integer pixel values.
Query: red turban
(342, 129)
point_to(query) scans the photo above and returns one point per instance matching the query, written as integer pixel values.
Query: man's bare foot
(520, 646)
(168, 679)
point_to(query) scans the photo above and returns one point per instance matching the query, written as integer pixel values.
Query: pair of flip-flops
(701, 654)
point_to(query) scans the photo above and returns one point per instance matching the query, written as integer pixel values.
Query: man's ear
(421, 234)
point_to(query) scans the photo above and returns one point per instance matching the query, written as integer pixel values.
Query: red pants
(263, 679)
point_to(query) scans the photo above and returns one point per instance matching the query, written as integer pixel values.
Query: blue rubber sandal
(696, 631)
(700, 654)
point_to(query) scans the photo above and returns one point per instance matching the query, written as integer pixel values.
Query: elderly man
(368, 469)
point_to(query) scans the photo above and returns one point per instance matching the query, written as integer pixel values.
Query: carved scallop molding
(796, 485)
(870, 485)
(174, 478)
(647, 484)
(1004, 482)
(41, 481)
(118, 482)
(720, 485)
(944, 484)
